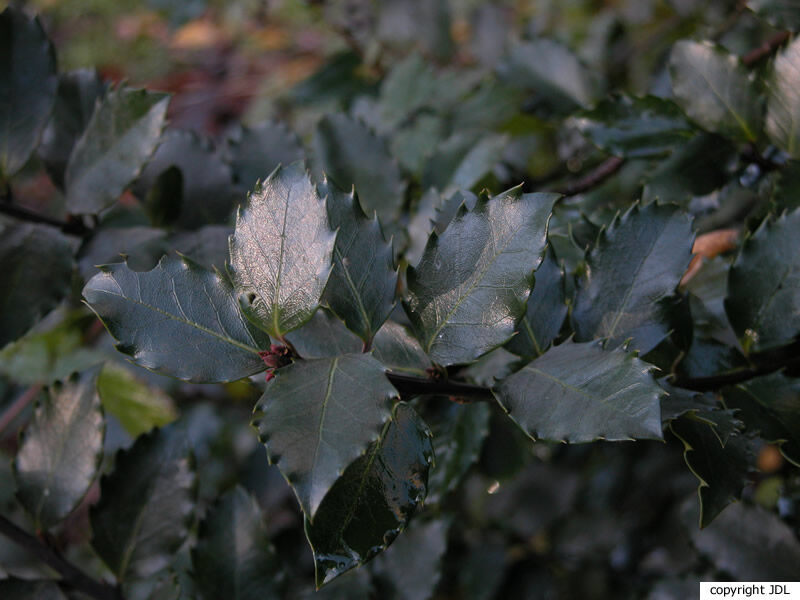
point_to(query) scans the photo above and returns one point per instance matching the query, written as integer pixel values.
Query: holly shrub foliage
(469, 263)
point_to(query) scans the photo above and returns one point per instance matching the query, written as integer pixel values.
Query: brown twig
(71, 575)
(71, 226)
(594, 177)
(765, 49)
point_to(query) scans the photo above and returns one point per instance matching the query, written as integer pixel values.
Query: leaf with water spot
(317, 416)
(281, 251)
(470, 287)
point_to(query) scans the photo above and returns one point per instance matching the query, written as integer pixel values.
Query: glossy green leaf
(140, 247)
(715, 90)
(254, 152)
(783, 100)
(546, 311)
(27, 589)
(763, 302)
(352, 155)
(119, 139)
(770, 405)
(580, 393)
(77, 95)
(781, 13)
(178, 319)
(457, 443)
(361, 287)
(324, 336)
(233, 558)
(632, 272)
(553, 72)
(60, 451)
(635, 127)
(28, 84)
(146, 505)
(318, 416)
(473, 280)
(281, 251)
(207, 193)
(718, 455)
(398, 350)
(371, 503)
(411, 568)
(137, 406)
(29, 291)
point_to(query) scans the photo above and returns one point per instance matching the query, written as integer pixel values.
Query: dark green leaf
(137, 406)
(29, 291)
(338, 80)
(399, 351)
(715, 90)
(750, 544)
(374, 499)
(718, 455)
(178, 319)
(771, 406)
(207, 245)
(324, 336)
(679, 401)
(763, 302)
(547, 309)
(281, 251)
(60, 451)
(146, 505)
(255, 152)
(411, 567)
(119, 139)
(783, 100)
(318, 416)
(165, 198)
(27, 87)
(414, 145)
(632, 271)
(553, 72)
(207, 193)
(581, 393)
(362, 285)
(233, 558)
(462, 160)
(141, 247)
(28, 589)
(78, 93)
(781, 13)
(472, 283)
(457, 443)
(635, 127)
(352, 155)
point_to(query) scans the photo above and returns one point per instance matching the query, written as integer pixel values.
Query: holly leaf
(281, 251)
(399, 351)
(373, 500)
(204, 193)
(28, 84)
(473, 280)
(545, 312)
(351, 154)
(763, 302)
(318, 416)
(140, 247)
(255, 152)
(632, 272)
(553, 72)
(324, 336)
(580, 393)
(783, 99)
(783, 14)
(60, 450)
(457, 443)
(146, 505)
(718, 455)
(31, 291)
(121, 136)
(635, 127)
(770, 405)
(178, 319)
(76, 98)
(715, 90)
(362, 285)
(233, 557)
